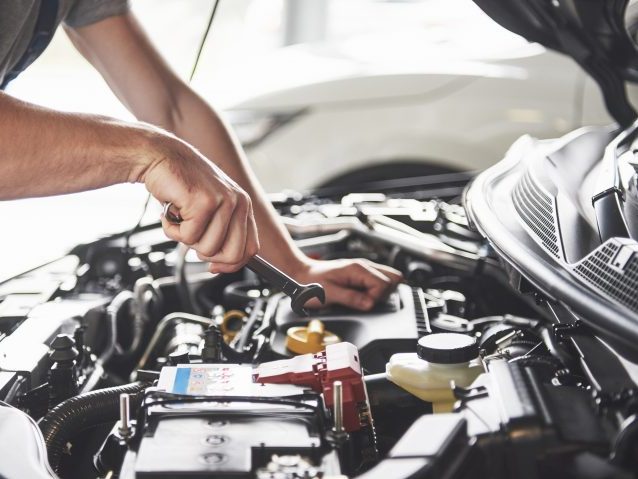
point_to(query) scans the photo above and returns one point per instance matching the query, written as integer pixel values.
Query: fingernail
(368, 303)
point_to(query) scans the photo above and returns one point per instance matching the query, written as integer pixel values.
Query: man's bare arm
(44, 152)
(140, 78)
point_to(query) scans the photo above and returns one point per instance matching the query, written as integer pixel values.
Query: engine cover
(390, 327)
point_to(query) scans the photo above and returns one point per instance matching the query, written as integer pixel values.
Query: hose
(144, 291)
(163, 325)
(78, 413)
(120, 301)
(184, 292)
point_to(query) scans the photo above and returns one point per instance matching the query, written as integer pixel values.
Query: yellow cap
(310, 339)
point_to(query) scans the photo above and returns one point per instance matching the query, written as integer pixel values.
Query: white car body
(457, 100)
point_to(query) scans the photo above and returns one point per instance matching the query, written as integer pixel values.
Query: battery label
(218, 380)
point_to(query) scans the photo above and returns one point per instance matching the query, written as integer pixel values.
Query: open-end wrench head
(309, 291)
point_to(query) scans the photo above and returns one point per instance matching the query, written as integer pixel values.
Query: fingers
(217, 218)
(394, 275)
(196, 217)
(212, 241)
(349, 297)
(204, 220)
(232, 249)
(360, 274)
(229, 237)
(171, 230)
(240, 243)
(252, 241)
(358, 284)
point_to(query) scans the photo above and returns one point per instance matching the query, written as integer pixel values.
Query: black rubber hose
(87, 410)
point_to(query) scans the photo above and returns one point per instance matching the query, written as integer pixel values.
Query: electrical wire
(204, 38)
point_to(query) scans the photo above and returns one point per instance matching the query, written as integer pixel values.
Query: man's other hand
(357, 284)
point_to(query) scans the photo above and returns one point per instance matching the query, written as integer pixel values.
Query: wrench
(299, 293)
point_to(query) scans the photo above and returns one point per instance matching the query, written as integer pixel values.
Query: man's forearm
(44, 152)
(197, 123)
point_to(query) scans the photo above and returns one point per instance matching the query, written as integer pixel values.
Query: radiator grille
(536, 209)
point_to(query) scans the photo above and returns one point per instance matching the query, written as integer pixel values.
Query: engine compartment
(137, 363)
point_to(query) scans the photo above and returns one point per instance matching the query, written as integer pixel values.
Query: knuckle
(235, 257)
(171, 235)
(232, 200)
(252, 249)
(209, 202)
(359, 267)
(189, 238)
(352, 297)
(241, 206)
(206, 252)
(202, 256)
(364, 263)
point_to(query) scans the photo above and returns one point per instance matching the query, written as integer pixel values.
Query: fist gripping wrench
(299, 293)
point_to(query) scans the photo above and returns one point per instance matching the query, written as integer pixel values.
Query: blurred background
(320, 93)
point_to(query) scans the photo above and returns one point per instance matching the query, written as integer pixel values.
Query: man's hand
(358, 284)
(217, 215)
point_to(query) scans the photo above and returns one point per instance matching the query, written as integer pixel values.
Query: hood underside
(593, 32)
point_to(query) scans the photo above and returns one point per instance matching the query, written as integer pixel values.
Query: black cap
(63, 348)
(447, 348)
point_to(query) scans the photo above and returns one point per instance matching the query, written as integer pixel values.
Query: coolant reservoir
(440, 359)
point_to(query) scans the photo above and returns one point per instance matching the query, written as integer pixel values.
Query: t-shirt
(18, 19)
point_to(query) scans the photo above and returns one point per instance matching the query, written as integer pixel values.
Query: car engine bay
(135, 362)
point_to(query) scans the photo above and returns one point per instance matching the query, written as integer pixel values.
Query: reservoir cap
(447, 348)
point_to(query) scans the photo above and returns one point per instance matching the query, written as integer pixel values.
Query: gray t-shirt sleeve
(85, 12)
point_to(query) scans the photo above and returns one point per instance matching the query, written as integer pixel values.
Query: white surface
(20, 434)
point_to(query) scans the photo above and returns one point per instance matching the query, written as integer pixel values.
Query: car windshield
(255, 47)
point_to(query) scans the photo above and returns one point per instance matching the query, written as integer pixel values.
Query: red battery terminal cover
(339, 362)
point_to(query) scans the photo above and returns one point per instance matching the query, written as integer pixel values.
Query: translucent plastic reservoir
(429, 381)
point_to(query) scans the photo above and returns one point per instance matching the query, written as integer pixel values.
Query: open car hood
(593, 33)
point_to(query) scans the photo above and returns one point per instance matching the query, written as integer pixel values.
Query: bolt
(125, 429)
(337, 399)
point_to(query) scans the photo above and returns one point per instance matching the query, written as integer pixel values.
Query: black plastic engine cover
(391, 327)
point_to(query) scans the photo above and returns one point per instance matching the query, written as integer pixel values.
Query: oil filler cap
(447, 348)
(310, 339)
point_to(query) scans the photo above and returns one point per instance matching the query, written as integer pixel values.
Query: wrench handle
(274, 276)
